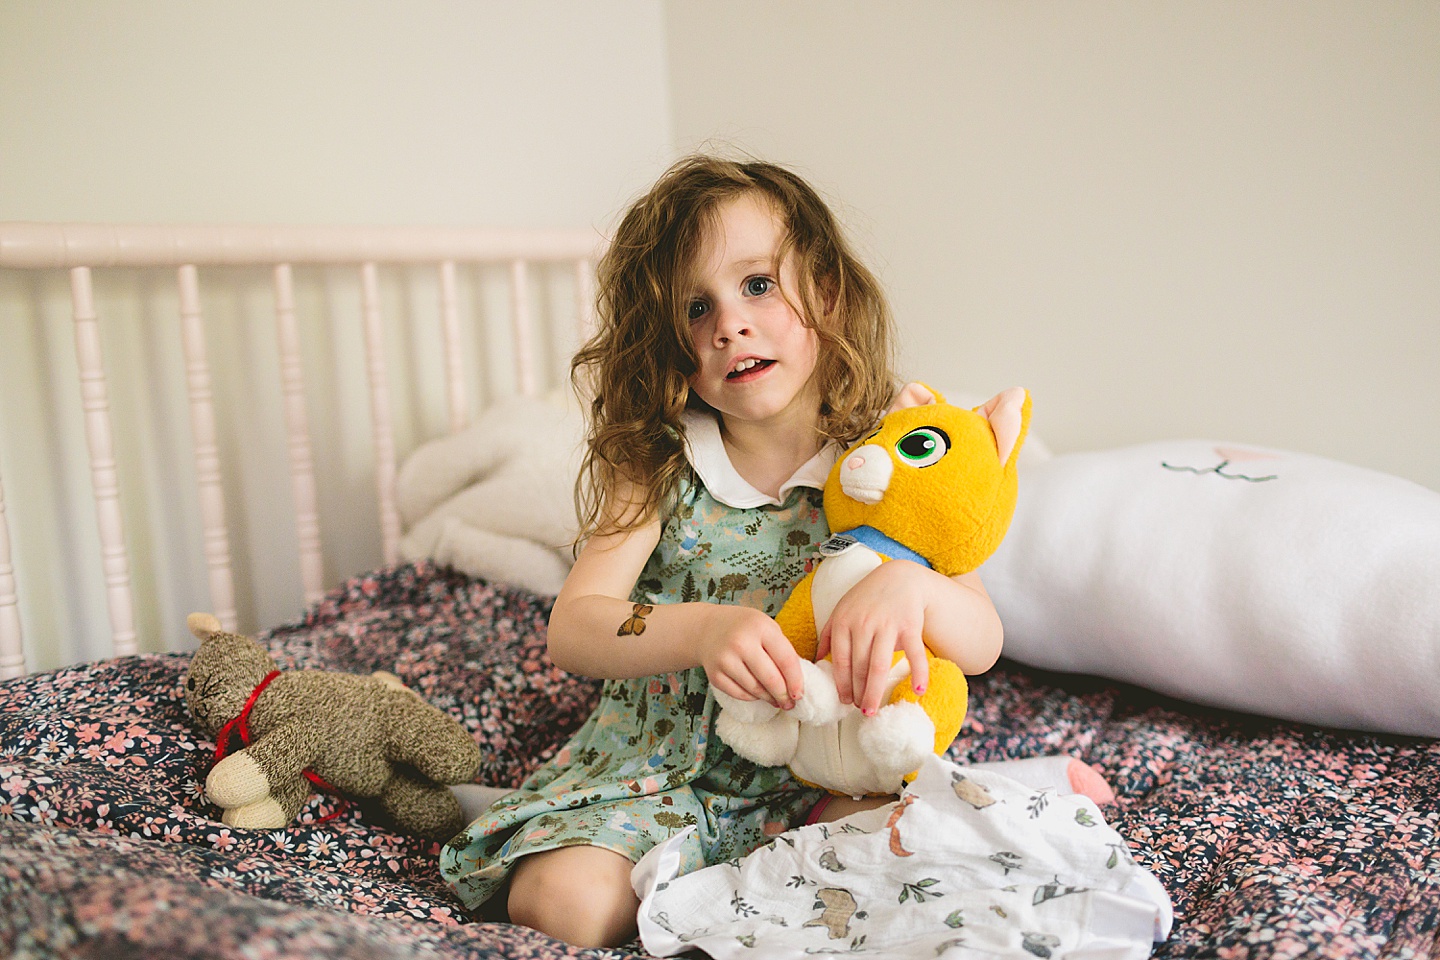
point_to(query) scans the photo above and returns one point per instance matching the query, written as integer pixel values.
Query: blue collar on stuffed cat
(882, 544)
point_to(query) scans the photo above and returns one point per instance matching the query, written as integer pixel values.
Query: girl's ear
(1009, 416)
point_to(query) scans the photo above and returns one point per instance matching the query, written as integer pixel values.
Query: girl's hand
(882, 613)
(746, 655)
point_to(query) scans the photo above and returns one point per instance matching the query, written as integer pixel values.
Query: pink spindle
(585, 298)
(381, 422)
(12, 647)
(207, 453)
(95, 401)
(520, 319)
(297, 429)
(454, 354)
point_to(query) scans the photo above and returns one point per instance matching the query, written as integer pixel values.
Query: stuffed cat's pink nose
(855, 463)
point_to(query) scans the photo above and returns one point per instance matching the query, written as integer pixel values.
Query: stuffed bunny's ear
(1009, 416)
(202, 625)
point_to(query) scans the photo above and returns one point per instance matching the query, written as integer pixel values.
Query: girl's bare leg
(844, 806)
(579, 894)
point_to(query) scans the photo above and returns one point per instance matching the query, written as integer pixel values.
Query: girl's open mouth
(752, 370)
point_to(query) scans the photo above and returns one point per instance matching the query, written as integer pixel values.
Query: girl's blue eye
(758, 286)
(696, 310)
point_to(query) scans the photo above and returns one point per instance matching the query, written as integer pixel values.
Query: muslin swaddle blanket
(968, 863)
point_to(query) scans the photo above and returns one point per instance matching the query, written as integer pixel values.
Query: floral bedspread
(1273, 839)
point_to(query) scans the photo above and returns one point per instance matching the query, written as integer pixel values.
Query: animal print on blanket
(1273, 839)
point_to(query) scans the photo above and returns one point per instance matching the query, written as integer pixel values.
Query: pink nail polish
(920, 691)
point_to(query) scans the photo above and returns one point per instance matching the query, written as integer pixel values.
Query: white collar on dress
(705, 450)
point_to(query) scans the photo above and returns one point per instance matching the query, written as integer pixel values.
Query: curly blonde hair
(635, 369)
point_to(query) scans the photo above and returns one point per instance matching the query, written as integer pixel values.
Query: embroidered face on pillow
(1269, 581)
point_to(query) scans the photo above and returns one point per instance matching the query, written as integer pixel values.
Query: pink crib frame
(81, 248)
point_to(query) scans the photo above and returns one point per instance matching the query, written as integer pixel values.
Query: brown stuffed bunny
(359, 736)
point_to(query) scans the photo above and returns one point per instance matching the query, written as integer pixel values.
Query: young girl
(741, 346)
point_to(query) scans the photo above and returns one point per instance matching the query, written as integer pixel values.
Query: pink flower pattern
(1273, 839)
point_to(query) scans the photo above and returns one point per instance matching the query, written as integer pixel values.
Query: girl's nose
(730, 323)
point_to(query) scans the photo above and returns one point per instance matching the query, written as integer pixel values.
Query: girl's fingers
(840, 660)
(882, 652)
(737, 671)
(771, 682)
(862, 669)
(787, 661)
(914, 647)
(725, 684)
(859, 670)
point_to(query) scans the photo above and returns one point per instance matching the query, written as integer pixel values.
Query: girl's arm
(891, 609)
(596, 631)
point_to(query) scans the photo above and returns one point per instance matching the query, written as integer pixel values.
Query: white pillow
(496, 500)
(1269, 582)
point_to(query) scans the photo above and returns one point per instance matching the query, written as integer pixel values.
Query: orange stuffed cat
(934, 484)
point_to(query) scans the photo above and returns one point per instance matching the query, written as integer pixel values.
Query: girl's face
(756, 356)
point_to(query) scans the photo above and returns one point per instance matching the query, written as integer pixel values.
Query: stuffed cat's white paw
(770, 743)
(820, 702)
(898, 738)
(745, 711)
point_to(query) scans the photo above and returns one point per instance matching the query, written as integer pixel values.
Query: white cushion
(496, 499)
(1269, 582)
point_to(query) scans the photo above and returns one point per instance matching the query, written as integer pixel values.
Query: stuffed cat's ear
(1009, 415)
(913, 394)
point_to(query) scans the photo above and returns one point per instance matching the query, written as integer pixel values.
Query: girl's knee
(581, 895)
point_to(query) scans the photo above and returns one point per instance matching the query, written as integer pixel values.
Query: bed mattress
(1273, 839)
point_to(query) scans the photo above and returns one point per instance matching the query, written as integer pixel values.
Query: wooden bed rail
(82, 247)
(41, 245)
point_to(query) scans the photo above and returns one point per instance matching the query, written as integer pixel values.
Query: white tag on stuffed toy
(837, 545)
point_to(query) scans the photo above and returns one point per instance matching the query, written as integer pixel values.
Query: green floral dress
(647, 763)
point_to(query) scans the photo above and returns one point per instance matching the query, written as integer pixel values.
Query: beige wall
(330, 111)
(321, 111)
(1165, 218)
(1214, 220)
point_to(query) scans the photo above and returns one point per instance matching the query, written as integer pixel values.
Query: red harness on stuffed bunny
(241, 726)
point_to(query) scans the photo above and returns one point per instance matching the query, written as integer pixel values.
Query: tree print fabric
(646, 764)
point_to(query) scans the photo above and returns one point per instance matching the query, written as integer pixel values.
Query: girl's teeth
(744, 365)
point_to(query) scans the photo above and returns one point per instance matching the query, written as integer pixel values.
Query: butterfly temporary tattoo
(635, 623)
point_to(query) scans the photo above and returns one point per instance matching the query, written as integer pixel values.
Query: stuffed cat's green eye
(923, 446)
